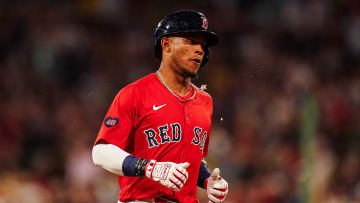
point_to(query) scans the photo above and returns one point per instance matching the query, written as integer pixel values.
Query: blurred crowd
(285, 83)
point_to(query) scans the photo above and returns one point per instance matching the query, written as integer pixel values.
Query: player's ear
(166, 44)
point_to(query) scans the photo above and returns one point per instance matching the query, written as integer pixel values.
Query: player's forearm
(118, 161)
(110, 157)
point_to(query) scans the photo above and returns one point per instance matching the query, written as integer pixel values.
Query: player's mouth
(196, 61)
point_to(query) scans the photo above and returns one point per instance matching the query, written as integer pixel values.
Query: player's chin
(190, 72)
(194, 68)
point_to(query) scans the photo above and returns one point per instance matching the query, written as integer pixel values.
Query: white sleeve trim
(110, 157)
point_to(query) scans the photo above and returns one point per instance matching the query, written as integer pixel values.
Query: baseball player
(156, 132)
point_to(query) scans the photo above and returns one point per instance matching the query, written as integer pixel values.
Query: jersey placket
(187, 115)
(186, 120)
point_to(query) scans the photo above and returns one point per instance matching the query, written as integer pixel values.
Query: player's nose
(199, 50)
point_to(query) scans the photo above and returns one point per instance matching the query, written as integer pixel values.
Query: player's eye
(195, 42)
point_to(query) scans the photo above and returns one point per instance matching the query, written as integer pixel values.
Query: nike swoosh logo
(158, 107)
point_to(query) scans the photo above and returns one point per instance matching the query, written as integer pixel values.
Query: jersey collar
(180, 99)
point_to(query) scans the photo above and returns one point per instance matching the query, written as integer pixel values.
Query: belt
(164, 199)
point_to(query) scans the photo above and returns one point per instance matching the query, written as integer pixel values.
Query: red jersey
(149, 121)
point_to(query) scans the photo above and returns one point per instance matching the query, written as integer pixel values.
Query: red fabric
(133, 106)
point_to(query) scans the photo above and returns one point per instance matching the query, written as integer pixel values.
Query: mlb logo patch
(110, 122)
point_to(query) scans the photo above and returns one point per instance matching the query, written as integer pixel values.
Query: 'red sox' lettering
(165, 135)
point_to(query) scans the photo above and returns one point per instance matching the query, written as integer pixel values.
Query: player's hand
(169, 174)
(217, 187)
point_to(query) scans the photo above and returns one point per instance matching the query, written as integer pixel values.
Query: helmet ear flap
(207, 53)
(157, 45)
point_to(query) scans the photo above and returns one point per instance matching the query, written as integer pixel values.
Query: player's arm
(215, 185)
(110, 157)
(119, 162)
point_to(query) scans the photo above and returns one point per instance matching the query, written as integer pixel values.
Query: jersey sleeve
(119, 120)
(210, 110)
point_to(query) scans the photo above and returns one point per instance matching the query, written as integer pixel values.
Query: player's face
(187, 53)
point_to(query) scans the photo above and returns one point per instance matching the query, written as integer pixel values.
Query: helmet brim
(211, 38)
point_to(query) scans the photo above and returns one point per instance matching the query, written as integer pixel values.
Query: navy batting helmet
(185, 22)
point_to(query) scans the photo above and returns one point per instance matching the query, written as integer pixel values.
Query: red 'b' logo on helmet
(205, 23)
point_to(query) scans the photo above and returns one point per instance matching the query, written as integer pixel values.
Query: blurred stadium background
(285, 83)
